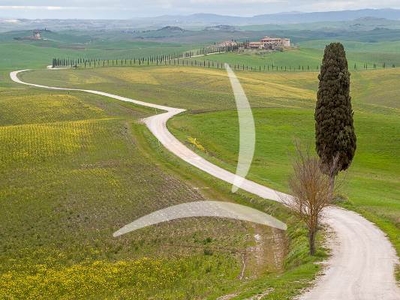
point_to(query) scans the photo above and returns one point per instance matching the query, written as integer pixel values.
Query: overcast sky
(126, 9)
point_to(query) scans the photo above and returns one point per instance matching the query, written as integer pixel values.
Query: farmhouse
(270, 43)
(255, 45)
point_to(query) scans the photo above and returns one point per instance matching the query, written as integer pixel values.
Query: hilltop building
(270, 43)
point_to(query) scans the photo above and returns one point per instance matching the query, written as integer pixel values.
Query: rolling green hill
(77, 167)
(39, 53)
(283, 104)
(371, 183)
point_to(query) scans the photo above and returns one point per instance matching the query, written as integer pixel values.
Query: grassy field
(63, 194)
(378, 47)
(70, 44)
(283, 105)
(307, 57)
(38, 54)
(194, 88)
(371, 185)
(291, 59)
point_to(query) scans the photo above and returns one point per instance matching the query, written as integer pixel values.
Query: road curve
(363, 260)
(362, 264)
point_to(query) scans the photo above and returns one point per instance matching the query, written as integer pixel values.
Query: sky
(128, 9)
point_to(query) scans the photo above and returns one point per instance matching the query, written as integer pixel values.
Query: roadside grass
(70, 181)
(283, 105)
(190, 88)
(18, 108)
(299, 269)
(77, 167)
(195, 89)
(283, 108)
(371, 184)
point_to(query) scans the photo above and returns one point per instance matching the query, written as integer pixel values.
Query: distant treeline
(153, 60)
(97, 63)
(187, 59)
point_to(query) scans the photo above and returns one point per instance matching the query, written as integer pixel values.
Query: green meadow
(77, 167)
(307, 56)
(370, 186)
(75, 44)
(283, 105)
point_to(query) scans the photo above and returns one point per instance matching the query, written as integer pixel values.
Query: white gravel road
(363, 260)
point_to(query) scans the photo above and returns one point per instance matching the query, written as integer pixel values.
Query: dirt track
(363, 260)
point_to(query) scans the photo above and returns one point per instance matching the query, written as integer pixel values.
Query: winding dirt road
(363, 260)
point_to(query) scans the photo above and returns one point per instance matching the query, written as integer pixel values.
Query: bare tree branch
(312, 191)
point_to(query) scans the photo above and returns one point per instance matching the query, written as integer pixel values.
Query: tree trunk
(332, 182)
(311, 241)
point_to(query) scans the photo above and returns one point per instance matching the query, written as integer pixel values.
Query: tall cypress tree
(334, 130)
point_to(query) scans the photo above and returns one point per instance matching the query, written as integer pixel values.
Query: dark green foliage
(334, 130)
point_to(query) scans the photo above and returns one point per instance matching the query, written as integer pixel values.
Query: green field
(63, 192)
(283, 105)
(70, 44)
(371, 185)
(307, 57)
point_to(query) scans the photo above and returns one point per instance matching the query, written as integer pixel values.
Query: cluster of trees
(312, 183)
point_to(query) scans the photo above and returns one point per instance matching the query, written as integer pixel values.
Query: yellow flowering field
(136, 279)
(39, 107)
(39, 142)
(74, 170)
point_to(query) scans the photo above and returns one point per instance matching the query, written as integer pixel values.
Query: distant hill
(282, 18)
(171, 29)
(329, 16)
(176, 24)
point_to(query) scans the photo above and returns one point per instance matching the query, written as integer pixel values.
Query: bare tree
(312, 192)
